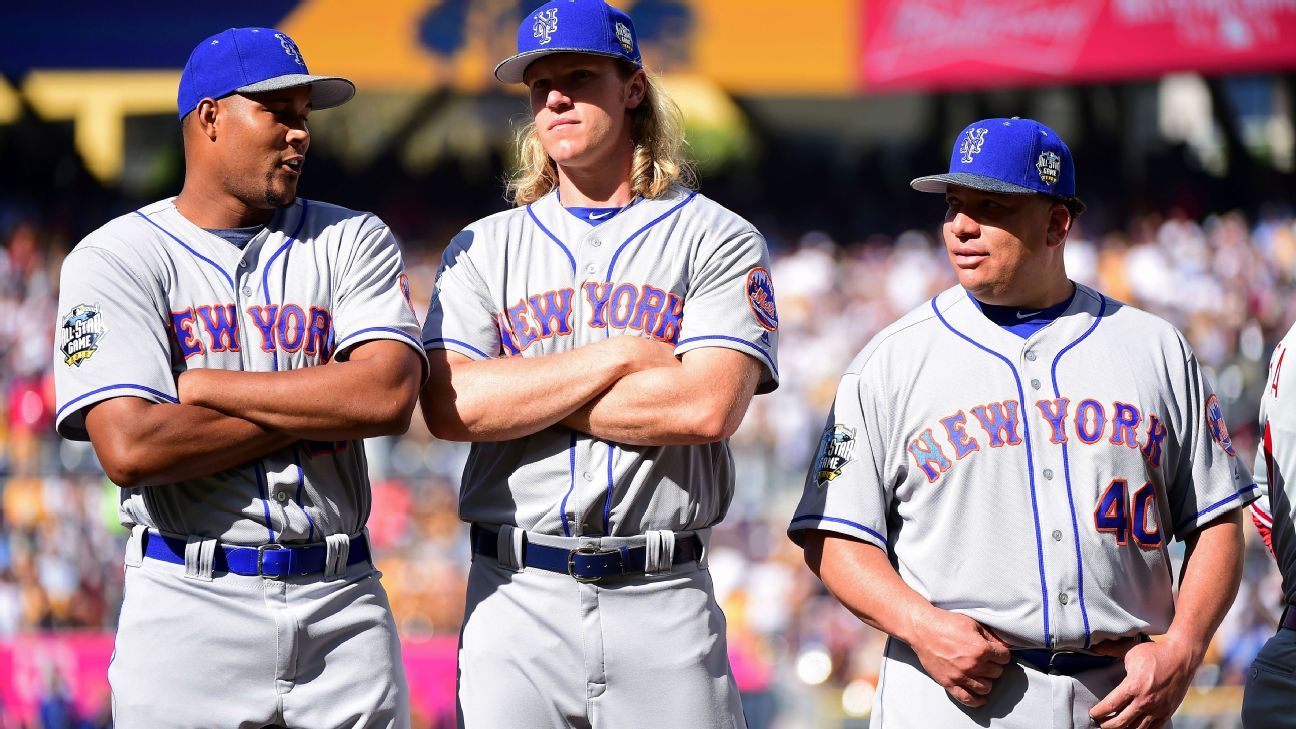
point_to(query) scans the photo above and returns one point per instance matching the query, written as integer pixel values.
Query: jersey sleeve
(1209, 479)
(730, 303)
(846, 491)
(373, 300)
(460, 318)
(110, 338)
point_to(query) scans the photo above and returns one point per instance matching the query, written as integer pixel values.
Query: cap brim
(511, 70)
(940, 183)
(326, 91)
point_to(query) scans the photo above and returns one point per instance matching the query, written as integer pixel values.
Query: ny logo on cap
(971, 144)
(290, 48)
(546, 22)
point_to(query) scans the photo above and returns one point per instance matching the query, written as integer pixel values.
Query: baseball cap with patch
(249, 61)
(1014, 156)
(571, 26)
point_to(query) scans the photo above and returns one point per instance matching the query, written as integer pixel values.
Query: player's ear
(204, 117)
(1059, 224)
(636, 89)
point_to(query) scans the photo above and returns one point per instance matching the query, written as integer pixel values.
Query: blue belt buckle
(589, 551)
(1066, 654)
(260, 561)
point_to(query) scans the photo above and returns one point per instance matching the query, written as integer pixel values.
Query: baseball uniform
(540, 648)
(150, 295)
(1271, 681)
(1032, 484)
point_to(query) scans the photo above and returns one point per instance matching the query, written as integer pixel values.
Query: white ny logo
(290, 48)
(545, 23)
(971, 144)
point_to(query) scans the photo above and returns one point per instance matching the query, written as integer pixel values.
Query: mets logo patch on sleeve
(760, 295)
(836, 449)
(81, 333)
(1215, 419)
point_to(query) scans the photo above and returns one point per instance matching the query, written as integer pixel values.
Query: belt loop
(199, 554)
(659, 551)
(508, 547)
(337, 549)
(135, 546)
(704, 539)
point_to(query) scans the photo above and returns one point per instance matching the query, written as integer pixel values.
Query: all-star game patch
(1049, 167)
(1215, 419)
(81, 333)
(836, 449)
(760, 295)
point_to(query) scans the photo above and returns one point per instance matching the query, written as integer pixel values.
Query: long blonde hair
(657, 128)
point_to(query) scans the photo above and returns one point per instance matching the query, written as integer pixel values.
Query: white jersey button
(587, 476)
(1057, 535)
(282, 496)
(1064, 598)
(242, 264)
(1030, 356)
(596, 242)
(590, 268)
(247, 290)
(1035, 384)
(1048, 473)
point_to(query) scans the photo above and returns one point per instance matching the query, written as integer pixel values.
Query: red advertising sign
(958, 44)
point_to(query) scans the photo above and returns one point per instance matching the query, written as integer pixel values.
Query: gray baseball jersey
(1031, 484)
(1274, 512)
(536, 280)
(151, 294)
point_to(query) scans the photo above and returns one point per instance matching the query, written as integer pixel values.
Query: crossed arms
(624, 389)
(226, 418)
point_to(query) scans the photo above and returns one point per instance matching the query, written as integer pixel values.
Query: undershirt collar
(1023, 321)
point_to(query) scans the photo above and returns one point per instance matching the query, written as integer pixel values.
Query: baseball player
(597, 344)
(225, 351)
(1004, 467)
(1271, 683)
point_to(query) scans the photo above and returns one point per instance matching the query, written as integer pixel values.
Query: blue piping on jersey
(554, 238)
(465, 345)
(847, 522)
(607, 502)
(196, 254)
(79, 398)
(301, 484)
(1236, 495)
(265, 273)
(417, 344)
(637, 233)
(1066, 468)
(263, 489)
(571, 455)
(1030, 465)
(761, 352)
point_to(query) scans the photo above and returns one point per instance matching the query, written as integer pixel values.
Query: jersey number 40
(1118, 514)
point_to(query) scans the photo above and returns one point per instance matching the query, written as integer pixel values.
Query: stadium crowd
(1228, 282)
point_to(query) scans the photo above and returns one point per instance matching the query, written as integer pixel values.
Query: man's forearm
(702, 401)
(371, 394)
(145, 444)
(862, 578)
(1208, 582)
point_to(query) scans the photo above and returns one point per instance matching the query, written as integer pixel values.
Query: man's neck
(605, 184)
(206, 208)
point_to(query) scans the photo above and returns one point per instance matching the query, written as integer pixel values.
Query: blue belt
(1063, 663)
(267, 560)
(585, 564)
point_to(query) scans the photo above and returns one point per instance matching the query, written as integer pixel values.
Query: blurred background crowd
(1189, 180)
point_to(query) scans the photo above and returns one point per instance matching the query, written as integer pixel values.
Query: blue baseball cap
(571, 26)
(249, 61)
(1014, 156)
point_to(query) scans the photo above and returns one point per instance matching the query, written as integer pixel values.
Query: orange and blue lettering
(182, 323)
(958, 437)
(552, 310)
(1090, 420)
(928, 455)
(221, 322)
(522, 331)
(264, 319)
(650, 305)
(292, 327)
(506, 337)
(1055, 411)
(317, 336)
(1125, 423)
(1156, 435)
(999, 425)
(598, 295)
(671, 319)
(623, 304)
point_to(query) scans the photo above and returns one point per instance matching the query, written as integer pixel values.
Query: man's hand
(1157, 676)
(189, 387)
(961, 654)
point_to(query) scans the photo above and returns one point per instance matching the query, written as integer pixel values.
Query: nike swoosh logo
(1027, 315)
(600, 216)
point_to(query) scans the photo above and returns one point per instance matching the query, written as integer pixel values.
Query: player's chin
(281, 195)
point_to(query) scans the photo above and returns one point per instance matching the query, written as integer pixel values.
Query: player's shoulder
(127, 236)
(1122, 320)
(315, 218)
(696, 206)
(490, 234)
